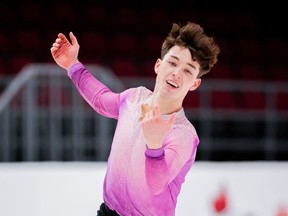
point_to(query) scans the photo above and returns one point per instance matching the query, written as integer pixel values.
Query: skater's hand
(154, 128)
(65, 53)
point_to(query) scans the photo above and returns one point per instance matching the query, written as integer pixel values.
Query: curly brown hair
(202, 48)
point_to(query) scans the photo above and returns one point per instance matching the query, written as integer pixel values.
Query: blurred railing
(43, 118)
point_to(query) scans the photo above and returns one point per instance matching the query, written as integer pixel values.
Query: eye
(172, 63)
(188, 71)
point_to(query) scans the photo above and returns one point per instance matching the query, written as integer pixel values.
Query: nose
(177, 73)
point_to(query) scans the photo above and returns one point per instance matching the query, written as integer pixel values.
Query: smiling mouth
(173, 84)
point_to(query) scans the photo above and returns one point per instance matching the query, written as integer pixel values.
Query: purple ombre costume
(139, 181)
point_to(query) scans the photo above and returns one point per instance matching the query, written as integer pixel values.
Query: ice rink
(75, 188)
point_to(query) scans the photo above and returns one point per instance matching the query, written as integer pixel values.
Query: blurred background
(240, 110)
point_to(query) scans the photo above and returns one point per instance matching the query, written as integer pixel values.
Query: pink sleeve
(173, 160)
(97, 95)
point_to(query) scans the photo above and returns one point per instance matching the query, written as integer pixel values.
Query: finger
(58, 40)
(53, 49)
(142, 113)
(149, 114)
(156, 111)
(61, 36)
(56, 45)
(144, 110)
(140, 119)
(62, 39)
(73, 39)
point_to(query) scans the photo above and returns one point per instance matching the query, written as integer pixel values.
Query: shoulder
(139, 94)
(184, 128)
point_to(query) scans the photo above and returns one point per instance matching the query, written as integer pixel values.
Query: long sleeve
(164, 164)
(97, 95)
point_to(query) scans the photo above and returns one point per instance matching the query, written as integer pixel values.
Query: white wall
(74, 189)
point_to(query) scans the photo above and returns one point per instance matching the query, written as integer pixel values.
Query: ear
(157, 65)
(196, 84)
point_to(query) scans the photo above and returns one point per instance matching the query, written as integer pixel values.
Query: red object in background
(220, 202)
(282, 211)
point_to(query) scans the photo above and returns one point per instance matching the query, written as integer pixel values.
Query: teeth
(172, 83)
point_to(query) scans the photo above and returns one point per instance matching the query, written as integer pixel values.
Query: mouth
(172, 83)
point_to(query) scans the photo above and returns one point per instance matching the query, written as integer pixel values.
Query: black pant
(105, 211)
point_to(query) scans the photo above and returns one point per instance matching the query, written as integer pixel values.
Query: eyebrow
(175, 57)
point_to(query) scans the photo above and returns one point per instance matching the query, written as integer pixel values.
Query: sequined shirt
(138, 180)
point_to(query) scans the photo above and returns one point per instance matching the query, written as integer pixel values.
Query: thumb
(73, 39)
(171, 120)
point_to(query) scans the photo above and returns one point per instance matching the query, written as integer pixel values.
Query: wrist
(154, 153)
(70, 65)
(73, 68)
(154, 145)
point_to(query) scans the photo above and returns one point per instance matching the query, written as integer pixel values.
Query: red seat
(250, 72)
(278, 72)
(248, 49)
(226, 49)
(192, 100)
(3, 69)
(43, 97)
(125, 67)
(32, 13)
(223, 100)
(125, 45)
(152, 44)
(220, 71)
(63, 13)
(148, 67)
(128, 18)
(7, 14)
(26, 40)
(243, 23)
(95, 14)
(282, 101)
(156, 20)
(216, 22)
(94, 44)
(253, 100)
(275, 50)
(19, 61)
(183, 15)
(4, 43)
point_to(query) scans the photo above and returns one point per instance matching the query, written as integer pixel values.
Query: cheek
(189, 84)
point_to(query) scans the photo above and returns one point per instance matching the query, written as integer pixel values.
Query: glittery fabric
(139, 181)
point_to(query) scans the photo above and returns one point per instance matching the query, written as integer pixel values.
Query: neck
(166, 106)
